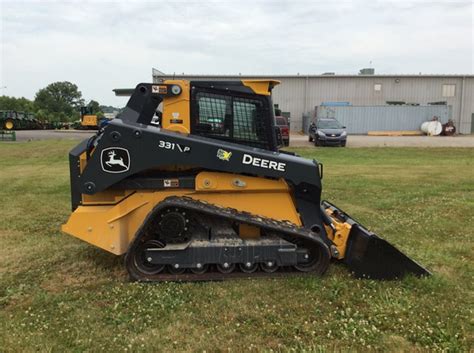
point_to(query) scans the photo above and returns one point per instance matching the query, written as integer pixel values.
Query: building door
(472, 123)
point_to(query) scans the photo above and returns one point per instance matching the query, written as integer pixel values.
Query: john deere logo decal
(115, 160)
(224, 155)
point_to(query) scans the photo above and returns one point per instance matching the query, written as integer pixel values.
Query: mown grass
(57, 293)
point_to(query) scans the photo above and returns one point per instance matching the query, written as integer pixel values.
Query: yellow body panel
(89, 120)
(262, 87)
(113, 227)
(176, 111)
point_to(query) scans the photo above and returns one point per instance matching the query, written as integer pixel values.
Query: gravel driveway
(299, 140)
(296, 140)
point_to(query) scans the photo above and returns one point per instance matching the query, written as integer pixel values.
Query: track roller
(200, 269)
(225, 268)
(269, 266)
(248, 267)
(175, 269)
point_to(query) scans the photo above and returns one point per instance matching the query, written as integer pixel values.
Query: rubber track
(285, 229)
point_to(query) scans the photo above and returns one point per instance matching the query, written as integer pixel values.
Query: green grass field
(58, 293)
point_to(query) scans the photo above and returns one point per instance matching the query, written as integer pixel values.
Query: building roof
(158, 73)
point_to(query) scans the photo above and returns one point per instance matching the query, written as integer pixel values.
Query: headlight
(320, 133)
(175, 89)
(344, 133)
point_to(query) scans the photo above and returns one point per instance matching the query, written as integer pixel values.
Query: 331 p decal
(174, 146)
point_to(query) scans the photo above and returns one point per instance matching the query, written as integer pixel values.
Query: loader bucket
(369, 256)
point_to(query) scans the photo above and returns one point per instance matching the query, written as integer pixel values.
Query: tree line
(59, 101)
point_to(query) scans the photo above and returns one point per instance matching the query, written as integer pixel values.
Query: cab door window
(231, 118)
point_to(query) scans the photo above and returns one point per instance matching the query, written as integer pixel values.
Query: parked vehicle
(327, 132)
(89, 120)
(13, 120)
(282, 124)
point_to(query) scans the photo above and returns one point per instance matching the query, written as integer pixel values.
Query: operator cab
(233, 111)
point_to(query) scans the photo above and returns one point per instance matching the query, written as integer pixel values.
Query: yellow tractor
(188, 183)
(88, 119)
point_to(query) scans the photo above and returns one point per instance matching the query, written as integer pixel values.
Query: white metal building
(300, 94)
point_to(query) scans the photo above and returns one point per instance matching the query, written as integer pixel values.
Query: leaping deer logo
(112, 161)
(115, 160)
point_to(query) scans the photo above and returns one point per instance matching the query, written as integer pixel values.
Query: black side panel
(150, 147)
(75, 174)
(305, 195)
(142, 105)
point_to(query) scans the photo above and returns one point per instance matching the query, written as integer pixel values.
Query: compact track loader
(188, 183)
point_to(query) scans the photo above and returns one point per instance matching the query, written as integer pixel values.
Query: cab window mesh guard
(230, 118)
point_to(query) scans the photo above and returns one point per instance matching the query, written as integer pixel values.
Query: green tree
(94, 106)
(19, 104)
(60, 99)
(43, 115)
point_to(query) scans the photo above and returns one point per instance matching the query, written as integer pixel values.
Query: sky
(102, 45)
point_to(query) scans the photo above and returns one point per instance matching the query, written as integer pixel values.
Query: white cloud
(104, 45)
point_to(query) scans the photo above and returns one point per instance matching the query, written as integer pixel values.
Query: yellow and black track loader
(89, 121)
(188, 183)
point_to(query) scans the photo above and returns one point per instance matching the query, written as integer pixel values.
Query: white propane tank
(432, 128)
